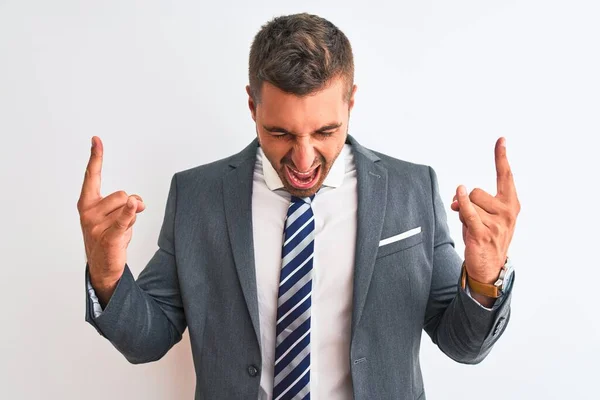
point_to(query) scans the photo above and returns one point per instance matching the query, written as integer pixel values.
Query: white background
(162, 83)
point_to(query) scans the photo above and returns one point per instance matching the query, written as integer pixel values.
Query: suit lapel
(237, 196)
(372, 201)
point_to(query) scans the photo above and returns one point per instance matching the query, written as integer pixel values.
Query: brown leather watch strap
(478, 287)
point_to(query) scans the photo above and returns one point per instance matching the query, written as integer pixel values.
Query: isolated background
(162, 83)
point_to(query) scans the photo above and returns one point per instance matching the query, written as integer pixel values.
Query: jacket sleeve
(457, 323)
(144, 318)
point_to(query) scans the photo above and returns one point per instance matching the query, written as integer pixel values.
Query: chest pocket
(399, 242)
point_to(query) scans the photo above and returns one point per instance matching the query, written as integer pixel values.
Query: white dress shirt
(334, 208)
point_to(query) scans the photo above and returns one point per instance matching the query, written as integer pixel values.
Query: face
(302, 136)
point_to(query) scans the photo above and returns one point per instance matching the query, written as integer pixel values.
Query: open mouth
(301, 180)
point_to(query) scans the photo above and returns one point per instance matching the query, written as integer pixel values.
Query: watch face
(508, 276)
(505, 274)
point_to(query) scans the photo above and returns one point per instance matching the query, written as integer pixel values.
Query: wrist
(103, 283)
(485, 279)
(491, 287)
(483, 299)
(104, 289)
(102, 276)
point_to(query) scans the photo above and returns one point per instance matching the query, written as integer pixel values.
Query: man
(306, 264)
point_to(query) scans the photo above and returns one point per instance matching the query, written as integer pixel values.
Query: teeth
(301, 177)
(303, 174)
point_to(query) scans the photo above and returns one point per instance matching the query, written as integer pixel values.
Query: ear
(251, 103)
(351, 101)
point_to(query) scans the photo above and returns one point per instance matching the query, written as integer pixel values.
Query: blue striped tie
(291, 375)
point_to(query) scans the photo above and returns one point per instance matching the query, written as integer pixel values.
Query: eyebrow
(324, 128)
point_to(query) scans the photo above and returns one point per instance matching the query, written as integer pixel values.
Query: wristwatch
(494, 290)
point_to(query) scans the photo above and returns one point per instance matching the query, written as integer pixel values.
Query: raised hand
(488, 221)
(106, 224)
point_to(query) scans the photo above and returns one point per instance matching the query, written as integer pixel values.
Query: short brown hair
(299, 54)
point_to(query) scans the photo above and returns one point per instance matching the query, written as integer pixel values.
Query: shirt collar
(334, 178)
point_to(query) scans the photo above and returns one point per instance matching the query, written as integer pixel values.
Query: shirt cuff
(95, 302)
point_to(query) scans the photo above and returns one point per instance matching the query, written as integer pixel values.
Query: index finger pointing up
(93, 173)
(505, 183)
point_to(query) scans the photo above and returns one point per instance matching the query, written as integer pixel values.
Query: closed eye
(325, 134)
(279, 135)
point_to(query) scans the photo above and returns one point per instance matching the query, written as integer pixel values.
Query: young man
(306, 264)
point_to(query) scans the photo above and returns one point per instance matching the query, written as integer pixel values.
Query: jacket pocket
(390, 245)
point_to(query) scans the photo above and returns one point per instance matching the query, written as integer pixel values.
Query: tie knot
(306, 200)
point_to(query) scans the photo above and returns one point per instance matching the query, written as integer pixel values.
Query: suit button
(252, 370)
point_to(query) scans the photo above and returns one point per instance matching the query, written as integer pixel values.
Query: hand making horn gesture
(488, 221)
(106, 224)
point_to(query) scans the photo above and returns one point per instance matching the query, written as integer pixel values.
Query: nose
(303, 155)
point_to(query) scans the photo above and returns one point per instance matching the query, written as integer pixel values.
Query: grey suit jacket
(203, 277)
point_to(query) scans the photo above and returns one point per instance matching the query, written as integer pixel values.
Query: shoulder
(401, 171)
(214, 170)
(212, 173)
(395, 167)
(400, 166)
